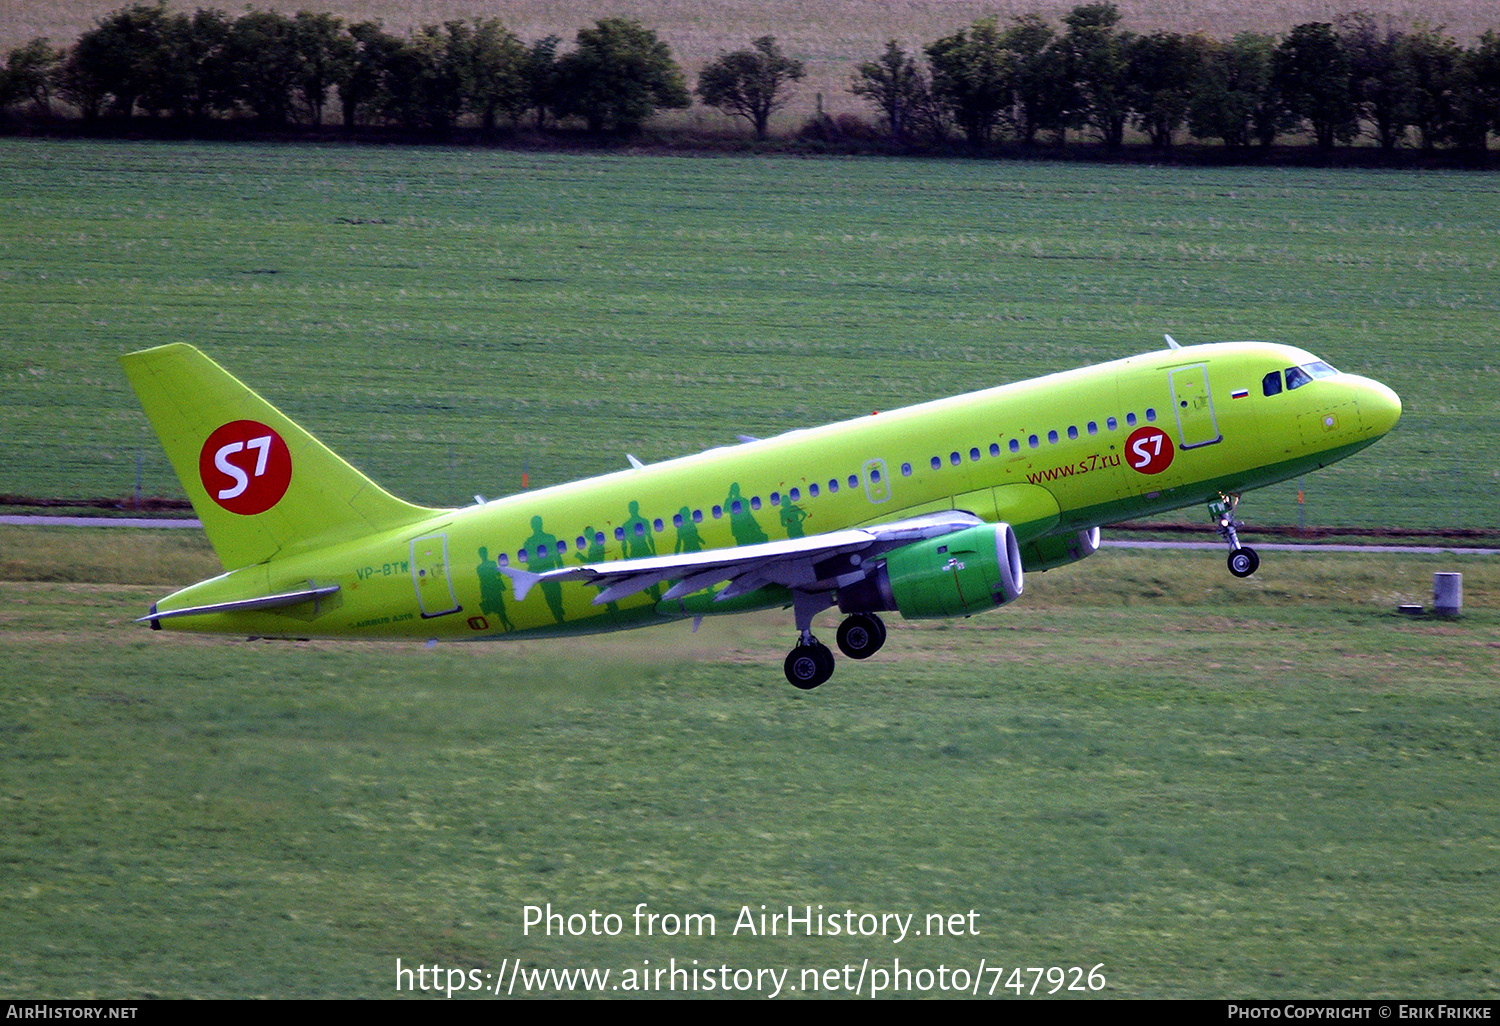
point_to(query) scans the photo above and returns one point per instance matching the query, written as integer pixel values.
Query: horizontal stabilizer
(286, 598)
(521, 580)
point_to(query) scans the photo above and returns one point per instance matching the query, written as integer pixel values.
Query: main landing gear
(1243, 560)
(810, 663)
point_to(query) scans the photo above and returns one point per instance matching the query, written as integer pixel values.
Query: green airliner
(934, 510)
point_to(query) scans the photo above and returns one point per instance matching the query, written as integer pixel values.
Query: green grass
(1267, 788)
(1274, 791)
(445, 319)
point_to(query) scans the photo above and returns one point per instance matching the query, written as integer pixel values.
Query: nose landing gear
(1243, 560)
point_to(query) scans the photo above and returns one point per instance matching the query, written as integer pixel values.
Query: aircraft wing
(792, 563)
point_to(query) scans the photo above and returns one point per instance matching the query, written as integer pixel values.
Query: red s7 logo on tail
(245, 467)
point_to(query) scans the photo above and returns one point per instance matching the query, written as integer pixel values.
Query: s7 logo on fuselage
(1149, 450)
(245, 467)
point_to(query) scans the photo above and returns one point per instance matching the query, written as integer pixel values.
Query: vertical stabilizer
(261, 485)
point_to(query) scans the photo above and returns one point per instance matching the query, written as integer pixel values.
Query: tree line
(280, 71)
(1028, 81)
(1333, 82)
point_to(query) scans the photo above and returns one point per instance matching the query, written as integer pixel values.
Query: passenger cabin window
(1271, 383)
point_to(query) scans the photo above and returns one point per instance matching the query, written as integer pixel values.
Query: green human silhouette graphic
(638, 539)
(741, 524)
(492, 586)
(639, 542)
(688, 539)
(595, 554)
(792, 517)
(544, 556)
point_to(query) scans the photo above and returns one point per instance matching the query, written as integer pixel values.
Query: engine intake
(1059, 550)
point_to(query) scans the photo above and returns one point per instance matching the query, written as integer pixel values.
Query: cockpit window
(1271, 383)
(1319, 369)
(1296, 377)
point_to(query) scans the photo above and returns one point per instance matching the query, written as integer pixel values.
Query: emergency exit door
(1194, 403)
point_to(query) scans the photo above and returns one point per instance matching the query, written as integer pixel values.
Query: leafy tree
(114, 61)
(1472, 104)
(543, 83)
(193, 78)
(619, 75)
(264, 64)
(751, 83)
(320, 49)
(1312, 72)
(971, 77)
(1098, 63)
(28, 74)
(1164, 67)
(1432, 65)
(1233, 98)
(1484, 72)
(1377, 79)
(492, 70)
(895, 84)
(1043, 95)
(360, 71)
(421, 81)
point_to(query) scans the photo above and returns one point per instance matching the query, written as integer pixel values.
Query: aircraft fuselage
(1050, 456)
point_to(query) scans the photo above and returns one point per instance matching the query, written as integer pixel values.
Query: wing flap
(790, 562)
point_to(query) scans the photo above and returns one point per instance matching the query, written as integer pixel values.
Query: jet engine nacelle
(956, 574)
(1059, 550)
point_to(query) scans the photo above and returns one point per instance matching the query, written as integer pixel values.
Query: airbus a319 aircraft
(934, 510)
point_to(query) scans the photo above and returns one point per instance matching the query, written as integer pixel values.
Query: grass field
(446, 318)
(1274, 791)
(1210, 788)
(831, 36)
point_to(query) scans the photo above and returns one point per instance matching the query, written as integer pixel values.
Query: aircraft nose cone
(1379, 407)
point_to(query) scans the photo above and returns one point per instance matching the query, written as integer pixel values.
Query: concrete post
(1447, 594)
